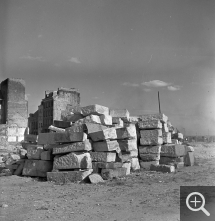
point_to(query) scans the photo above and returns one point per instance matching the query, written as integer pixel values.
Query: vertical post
(159, 102)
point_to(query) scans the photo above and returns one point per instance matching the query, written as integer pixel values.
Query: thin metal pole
(159, 102)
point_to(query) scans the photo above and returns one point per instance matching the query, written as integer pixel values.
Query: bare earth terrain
(139, 196)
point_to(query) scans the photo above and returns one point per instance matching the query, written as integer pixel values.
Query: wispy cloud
(174, 88)
(29, 57)
(130, 84)
(156, 83)
(75, 60)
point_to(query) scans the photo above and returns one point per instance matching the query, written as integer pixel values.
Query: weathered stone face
(170, 160)
(173, 150)
(149, 117)
(151, 133)
(151, 141)
(127, 165)
(73, 161)
(126, 132)
(62, 124)
(72, 147)
(105, 134)
(106, 119)
(163, 168)
(34, 152)
(91, 128)
(167, 138)
(150, 157)
(112, 173)
(56, 129)
(149, 149)
(103, 156)
(95, 110)
(135, 165)
(122, 113)
(145, 165)
(126, 156)
(110, 165)
(189, 159)
(152, 124)
(47, 155)
(106, 146)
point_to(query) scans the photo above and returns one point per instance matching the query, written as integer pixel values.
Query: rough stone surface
(122, 113)
(173, 150)
(76, 129)
(149, 117)
(63, 177)
(34, 152)
(189, 159)
(109, 145)
(151, 141)
(169, 160)
(106, 134)
(127, 165)
(103, 156)
(37, 168)
(167, 137)
(152, 124)
(19, 169)
(91, 128)
(95, 109)
(165, 127)
(106, 119)
(126, 132)
(110, 165)
(150, 157)
(94, 119)
(31, 138)
(127, 145)
(73, 161)
(72, 147)
(163, 168)
(61, 124)
(95, 178)
(47, 155)
(70, 117)
(135, 165)
(150, 149)
(126, 156)
(133, 119)
(151, 133)
(112, 173)
(56, 129)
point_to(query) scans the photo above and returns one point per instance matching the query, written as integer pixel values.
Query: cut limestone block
(19, 169)
(77, 137)
(106, 119)
(103, 156)
(127, 165)
(12, 167)
(61, 124)
(70, 116)
(34, 152)
(68, 176)
(173, 150)
(47, 155)
(46, 138)
(165, 127)
(135, 165)
(148, 117)
(151, 141)
(72, 147)
(189, 159)
(103, 146)
(95, 109)
(110, 165)
(56, 129)
(152, 124)
(151, 133)
(73, 109)
(150, 149)
(150, 157)
(113, 173)
(76, 129)
(94, 119)
(38, 168)
(170, 160)
(31, 138)
(122, 113)
(146, 165)
(126, 132)
(91, 128)
(117, 122)
(163, 168)
(106, 134)
(167, 137)
(127, 145)
(126, 156)
(73, 161)
(95, 178)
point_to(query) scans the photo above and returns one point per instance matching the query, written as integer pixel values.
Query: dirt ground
(140, 196)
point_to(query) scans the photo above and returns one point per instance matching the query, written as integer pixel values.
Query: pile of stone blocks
(151, 127)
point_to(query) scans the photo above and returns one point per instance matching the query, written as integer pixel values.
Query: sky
(118, 53)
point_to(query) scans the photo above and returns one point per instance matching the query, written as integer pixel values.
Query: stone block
(165, 128)
(19, 169)
(167, 137)
(126, 132)
(91, 128)
(103, 146)
(127, 145)
(95, 178)
(103, 156)
(126, 156)
(37, 168)
(47, 155)
(113, 173)
(150, 157)
(94, 119)
(170, 160)
(31, 138)
(23, 153)
(133, 119)
(76, 128)
(152, 124)
(105, 134)
(146, 165)
(110, 165)
(127, 165)
(173, 150)
(12, 131)
(12, 167)
(179, 165)
(189, 159)
(150, 149)
(63, 177)
(151, 141)
(70, 116)
(122, 113)
(95, 167)
(135, 165)
(34, 152)
(117, 120)
(106, 119)
(56, 129)
(62, 124)
(95, 110)
(73, 160)
(163, 168)
(151, 133)
(149, 117)
(72, 147)
(11, 139)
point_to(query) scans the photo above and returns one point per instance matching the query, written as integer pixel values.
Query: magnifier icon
(202, 208)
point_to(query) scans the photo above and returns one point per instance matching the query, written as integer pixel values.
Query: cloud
(130, 84)
(174, 88)
(74, 60)
(28, 57)
(147, 89)
(156, 83)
